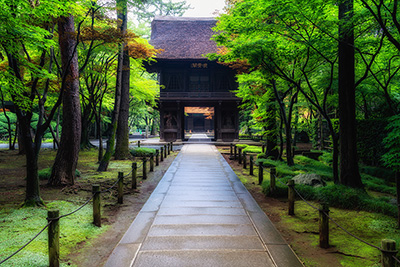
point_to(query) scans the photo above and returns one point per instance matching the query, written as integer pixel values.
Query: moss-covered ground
(301, 230)
(77, 233)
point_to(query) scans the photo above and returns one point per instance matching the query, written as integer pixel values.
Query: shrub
(386, 174)
(281, 190)
(142, 152)
(241, 146)
(253, 149)
(261, 156)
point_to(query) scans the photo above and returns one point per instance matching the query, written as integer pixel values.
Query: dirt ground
(120, 216)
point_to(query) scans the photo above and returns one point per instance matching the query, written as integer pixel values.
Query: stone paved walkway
(200, 214)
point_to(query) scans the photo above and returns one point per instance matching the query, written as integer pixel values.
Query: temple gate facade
(196, 93)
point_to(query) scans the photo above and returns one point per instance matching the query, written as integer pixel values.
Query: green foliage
(20, 225)
(310, 165)
(335, 195)
(391, 158)
(280, 192)
(241, 146)
(378, 184)
(142, 152)
(338, 196)
(326, 158)
(4, 124)
(370, 136)
(383, 173)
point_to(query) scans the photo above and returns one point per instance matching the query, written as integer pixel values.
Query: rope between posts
(129, 173)
(330, 218)
(21, 248)
(396, 259)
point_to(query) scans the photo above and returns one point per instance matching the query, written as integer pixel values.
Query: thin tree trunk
(272, 133)
(122, 145)
(64, 167)
(349, 173)
(121, 11)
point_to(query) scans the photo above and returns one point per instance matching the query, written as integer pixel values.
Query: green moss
(252, 149)
(20, 225)
(241, 145)
(45, 174)
(369, 226)
(142, 152)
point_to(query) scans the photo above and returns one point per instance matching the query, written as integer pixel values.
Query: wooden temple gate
(192, 83)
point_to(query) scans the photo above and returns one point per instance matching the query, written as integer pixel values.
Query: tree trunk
(121, 14)
(21, 145)
(272, 132)
(85, 140)
(121, 8)
(122, 145)
(67, 155)
(32, 197)
(349, 173)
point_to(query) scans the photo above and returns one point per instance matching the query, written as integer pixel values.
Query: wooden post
(165, 151)
(157, 157)
(144, 169)
(172, 146)
(291, 196)
(272, 179)
(324, 226)
(169, 148)
(120, 187)
(240, 155)
(134, 175)
(152, 163)
(162, 154)
(235, 153)
(138, 143)
(260, 173)
(54, 238)
(231, 151)
(96, 205)
(251, 165)
(244, 160)
(389, 250)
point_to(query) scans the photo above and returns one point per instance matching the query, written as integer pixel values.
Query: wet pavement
(200, 214)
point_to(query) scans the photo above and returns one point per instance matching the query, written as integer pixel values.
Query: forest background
(325, 72)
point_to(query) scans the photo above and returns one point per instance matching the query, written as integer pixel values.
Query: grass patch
(20, 225)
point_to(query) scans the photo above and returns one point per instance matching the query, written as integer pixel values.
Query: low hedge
(142, 152)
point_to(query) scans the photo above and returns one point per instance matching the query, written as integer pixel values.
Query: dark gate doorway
(199, 121)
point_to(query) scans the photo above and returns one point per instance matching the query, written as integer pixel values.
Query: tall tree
(64, 167)
(122, 25)
(29, 78)
(122, 134)
(349, 172)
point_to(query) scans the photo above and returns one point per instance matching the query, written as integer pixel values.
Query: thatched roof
(183, 38)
